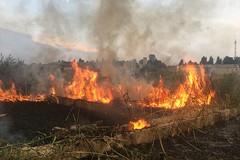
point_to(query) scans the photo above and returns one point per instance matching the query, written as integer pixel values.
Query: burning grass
(11, 95)
(140, 124)
(195, 91)
(84, 85)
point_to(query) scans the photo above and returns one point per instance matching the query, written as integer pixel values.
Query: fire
(140, 124)
(11, 95)
(52, 89)
(85, 86)
(194, 91)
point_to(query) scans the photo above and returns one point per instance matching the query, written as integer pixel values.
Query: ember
(194, 91)
(140, 124)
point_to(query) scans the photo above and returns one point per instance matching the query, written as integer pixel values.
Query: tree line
(204, 60)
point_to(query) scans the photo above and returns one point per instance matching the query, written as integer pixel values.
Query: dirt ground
(221, 141)
(24, 120)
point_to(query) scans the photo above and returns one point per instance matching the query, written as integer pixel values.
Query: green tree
(210, 61)
(228, 60)
(219, 60)
(203, 60)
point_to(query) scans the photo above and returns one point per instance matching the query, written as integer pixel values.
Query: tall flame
(11, 95)
(85, 86)
(194, 91)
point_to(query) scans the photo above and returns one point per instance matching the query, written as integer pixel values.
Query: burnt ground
(25, 120)
(221, 141)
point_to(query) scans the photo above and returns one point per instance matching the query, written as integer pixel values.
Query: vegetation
(227, 89)
(11, 70)
(226, 60)
(74, 147)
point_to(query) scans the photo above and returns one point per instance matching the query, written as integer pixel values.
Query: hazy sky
(48, 30)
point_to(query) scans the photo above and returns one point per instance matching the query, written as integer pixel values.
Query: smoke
(6, 135)
(109, 23)
(54, 29)
(131, 29)
(60, 28)
(128, 29)
(45, 53)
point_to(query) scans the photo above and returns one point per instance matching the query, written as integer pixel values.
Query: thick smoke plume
(130, 29)
(111, 20)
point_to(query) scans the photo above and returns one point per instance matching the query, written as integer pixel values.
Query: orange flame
(11, 95)
(140, 124)
(194, 91)
(85, 86)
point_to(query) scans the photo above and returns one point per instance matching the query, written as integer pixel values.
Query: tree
(210, 60)
(181, 62)
(192, 63)
(229, 60)
(237, 60)
(152, 58)
(219, 60)
(11, 70)
(203, 60)
(80, 61)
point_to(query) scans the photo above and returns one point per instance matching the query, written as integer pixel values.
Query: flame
(11, 95)
(194, 91)
(85, 86)
(140, 124)
(52, 89)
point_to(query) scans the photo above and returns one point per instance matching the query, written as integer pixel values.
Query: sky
(50, 30)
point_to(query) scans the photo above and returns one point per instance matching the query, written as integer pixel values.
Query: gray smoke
(111, 20)
(6, 136)
(130, 30)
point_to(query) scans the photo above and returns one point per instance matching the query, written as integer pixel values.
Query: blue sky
(219, 27)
